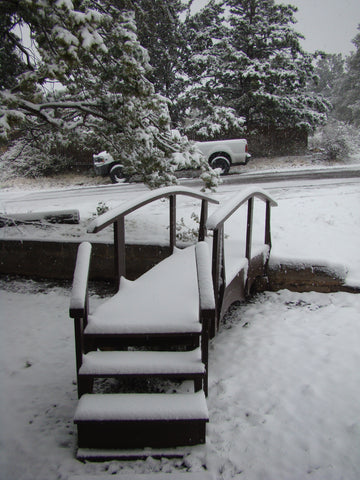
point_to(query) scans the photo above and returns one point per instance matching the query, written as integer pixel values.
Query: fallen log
(56, 216)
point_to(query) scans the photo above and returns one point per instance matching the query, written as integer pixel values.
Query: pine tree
(10, 63)
(158, 24)
(254, 69)
(329, 70)
(347, 103)
(95, 54)
(202, 106)
(267, 73)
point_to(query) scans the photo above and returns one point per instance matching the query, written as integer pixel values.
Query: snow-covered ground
(284, 370)
(284, 390)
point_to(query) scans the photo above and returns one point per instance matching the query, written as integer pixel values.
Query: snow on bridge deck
(165, 299)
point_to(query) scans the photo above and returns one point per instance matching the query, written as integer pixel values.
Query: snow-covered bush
(101, 208)
(20, 159)
(336, 140)
(48, 155)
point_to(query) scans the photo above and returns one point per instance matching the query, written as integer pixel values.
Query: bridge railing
(216, 223)
(117, 216)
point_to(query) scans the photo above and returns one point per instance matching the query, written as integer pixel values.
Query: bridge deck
(165, 299)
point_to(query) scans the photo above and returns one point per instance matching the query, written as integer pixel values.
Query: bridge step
(141, 364)
(141, 420)
(107, 363)
(153, 339)
(149, 476)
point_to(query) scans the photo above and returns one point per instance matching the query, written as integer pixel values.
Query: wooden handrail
(113, 215)
(206, 302)
(225, 211)
(117, 216)
(78, 297)
(79, 302)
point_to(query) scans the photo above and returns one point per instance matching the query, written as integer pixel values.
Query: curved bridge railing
(117, 216)
(225, 294)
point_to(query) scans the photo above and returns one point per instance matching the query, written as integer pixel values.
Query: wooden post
(249, 228)
(215, 274)
(267, 224)
(218, 274)
(119, 250)
(203, 220)
(207, 319)
(172, 206)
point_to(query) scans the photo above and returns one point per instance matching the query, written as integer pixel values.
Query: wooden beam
(267, 224)
(203, 220)
(218, 274)
(172, 206)
(249, 227)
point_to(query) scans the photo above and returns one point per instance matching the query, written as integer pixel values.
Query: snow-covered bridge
(160, 325)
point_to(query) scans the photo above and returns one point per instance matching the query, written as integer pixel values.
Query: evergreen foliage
(204, 110)
(347, 106)
(246, 66)
(159, 31)
(131, 70)
(94, 52)
(329, 69)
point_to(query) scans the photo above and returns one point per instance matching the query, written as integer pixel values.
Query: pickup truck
(219, 153)
(224, 153)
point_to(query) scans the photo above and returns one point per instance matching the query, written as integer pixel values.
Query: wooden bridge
(159, 325)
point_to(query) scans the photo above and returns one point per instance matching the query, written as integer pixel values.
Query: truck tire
(222, 161)
(116, 174)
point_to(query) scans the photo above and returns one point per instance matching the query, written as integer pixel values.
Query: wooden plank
(142, 434)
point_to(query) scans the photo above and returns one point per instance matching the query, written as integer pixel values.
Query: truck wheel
(116, 174)
(222, 162)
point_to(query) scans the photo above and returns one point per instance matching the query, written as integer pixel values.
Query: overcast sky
(328, 25)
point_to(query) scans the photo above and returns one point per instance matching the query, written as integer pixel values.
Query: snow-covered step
(149, 476)
(141, 420)
(115, 363)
